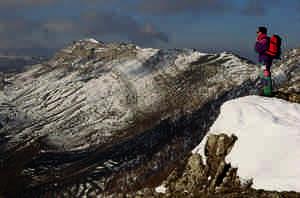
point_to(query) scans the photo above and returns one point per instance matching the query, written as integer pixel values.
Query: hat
(262, 29)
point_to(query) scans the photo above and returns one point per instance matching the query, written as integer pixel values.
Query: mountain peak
(123, 78)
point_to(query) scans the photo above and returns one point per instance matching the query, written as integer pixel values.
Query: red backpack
(274, 49)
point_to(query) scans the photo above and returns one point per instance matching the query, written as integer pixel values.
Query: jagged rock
(292, 97)
(115, 118)
(214, 179)
(290, 89)
(2, 76)
(290, 63)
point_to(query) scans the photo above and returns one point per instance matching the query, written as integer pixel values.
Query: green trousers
(266, 82)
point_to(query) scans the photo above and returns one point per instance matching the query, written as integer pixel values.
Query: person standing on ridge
(261, 47)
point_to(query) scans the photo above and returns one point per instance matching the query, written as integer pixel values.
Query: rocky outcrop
(106, 118)
(290, 89)
(215, 178)
(287, 71)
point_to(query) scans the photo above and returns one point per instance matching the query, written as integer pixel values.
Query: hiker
(267, 49)
(261, 47)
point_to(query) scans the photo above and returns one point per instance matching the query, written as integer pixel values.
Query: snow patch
(145, 53)
(186, 59)
(91, 40)
(267, 149)
(161, 189)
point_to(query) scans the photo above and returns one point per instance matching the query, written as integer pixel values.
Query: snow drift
(267, 148)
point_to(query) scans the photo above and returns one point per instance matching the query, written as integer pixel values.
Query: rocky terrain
(112, 119)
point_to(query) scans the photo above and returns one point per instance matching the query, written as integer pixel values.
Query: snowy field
(268, 145)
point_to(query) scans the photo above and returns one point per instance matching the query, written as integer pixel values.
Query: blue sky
(40, 27)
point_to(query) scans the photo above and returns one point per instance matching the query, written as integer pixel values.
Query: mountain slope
(99, 114)
(101, 92)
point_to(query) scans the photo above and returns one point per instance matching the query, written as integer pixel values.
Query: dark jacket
(261, 46)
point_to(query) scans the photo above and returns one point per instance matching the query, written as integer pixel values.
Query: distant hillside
(17, 63)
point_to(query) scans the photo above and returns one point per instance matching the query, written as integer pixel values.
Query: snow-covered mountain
(107, 92)
(103, 118)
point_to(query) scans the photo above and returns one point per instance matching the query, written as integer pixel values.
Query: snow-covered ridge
(91, 40)
(112, 85)
(267, 149)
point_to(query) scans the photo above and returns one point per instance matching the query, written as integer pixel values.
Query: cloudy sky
(39, 27)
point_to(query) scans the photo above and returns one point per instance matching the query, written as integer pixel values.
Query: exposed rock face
(290, 89)
(216, 178)
(289, 68)
(102, 118)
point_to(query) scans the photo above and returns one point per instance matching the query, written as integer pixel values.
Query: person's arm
(261, 46)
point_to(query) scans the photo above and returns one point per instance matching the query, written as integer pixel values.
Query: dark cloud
(167, 7)
(297, 7)
(258, 7)
(61, 26)
(21, 3)
(164, 7)
(15, 30)
(109, 23)
(17, 33)
(114, 20)
(254, 8)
